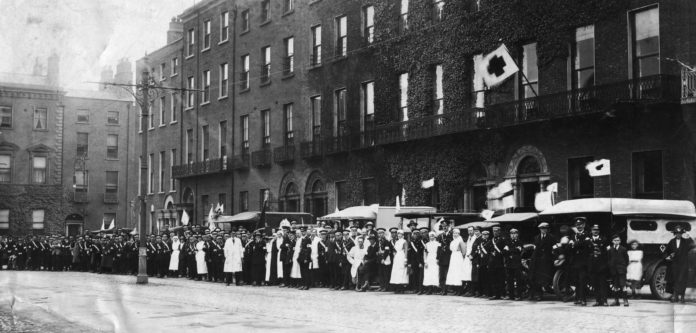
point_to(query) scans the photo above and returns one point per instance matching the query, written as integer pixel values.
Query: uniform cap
(369, 223)
(595, 227)
(513, 231)
(580, 220)
(543, 225)
(381, 229)
(393, 229)
(486, 232)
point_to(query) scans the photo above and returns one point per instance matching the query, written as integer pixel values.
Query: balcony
(207, 167)
(261, 158)
(241, 162)
(311, 149)
(284, 154)
(688, 86)
(80, 197)
(111, 198)
(592, 100)
(336, 145)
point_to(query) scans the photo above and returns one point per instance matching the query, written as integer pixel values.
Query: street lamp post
(144, 114)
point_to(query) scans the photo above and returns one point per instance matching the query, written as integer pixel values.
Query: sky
(87, 35)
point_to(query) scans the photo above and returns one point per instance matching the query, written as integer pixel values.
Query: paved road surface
(82, 302)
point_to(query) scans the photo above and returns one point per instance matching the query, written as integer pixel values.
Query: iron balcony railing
(241, 161)
(111, 198)
(210, 166)
(652, 89)
(311, 149)
(284, 154)
(261, 158)
(80, 197)
(688, 86)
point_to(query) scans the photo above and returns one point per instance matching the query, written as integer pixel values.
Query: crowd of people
(481, 263)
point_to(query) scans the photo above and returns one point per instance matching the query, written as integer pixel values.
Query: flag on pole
(184, 218)
(403, 196)
(487, 214)
(211, 217)
(552, 188)
(135, 231)
(428, 183)
(398, 204)
(497, 66)
(507, 194)
(599, 168)
(543, 201)
(112, 226)
(102, 227)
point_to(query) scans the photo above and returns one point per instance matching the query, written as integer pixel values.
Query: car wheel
(658, 283)
(560, 285)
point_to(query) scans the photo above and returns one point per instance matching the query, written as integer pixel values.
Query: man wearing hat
(416, 248)
(541, 269)
(677, 252)
(513, 265)
(444, 253)
(367, 269)
(370, 229)
(257, 252)
(319, 262)
(496, 265)
(579, 255)
(483, 256)
(333, 258)
(384, 255)
(305, 259)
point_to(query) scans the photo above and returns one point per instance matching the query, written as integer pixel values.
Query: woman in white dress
(455, 274)
(399, 273)
(431, 274)
(201, 266)
(295, 272)
(634, 271)
(233, 260)
(174, 260)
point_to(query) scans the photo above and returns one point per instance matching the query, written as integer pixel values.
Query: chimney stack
(176, 30)
(53, 72)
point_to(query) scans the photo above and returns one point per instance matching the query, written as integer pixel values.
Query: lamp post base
(142, 266)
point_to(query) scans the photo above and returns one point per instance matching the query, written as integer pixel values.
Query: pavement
(77, 302)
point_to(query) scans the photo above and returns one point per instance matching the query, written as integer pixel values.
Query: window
(580, 184)
(367, 105)
(266, 66)
(244, 201)
(223, 80)
(5, 168)
(5, 117)
(191, 42)
(4, 218)
(368, 14)
(205, 143)
(244, 75)
(39, 165)
(340, 112)
(112, 146)
(265, 10)
(81, 180)
(244, 21)
(530, 85)
(206, 35)
(643, 225)
(222, 198)
(245, 134)
(189, 146)
(315, 103)
(222, 139)
(161, 172)
(111, 184)
(289, 59)
(403, 16)
(288, 5)
(224, 26)
(438, 92)
(287, 116)
(646, 42)
(403, 97)
(82, 144)
(342, 194)
(647, 175)
(37, 219)
(83, 116)
(478, 89)
(342, 36)
(316, 45)
(438, 7)
(175, 66)
(163, 101)
(266, 126)
(670, 226)
(150, 173)
(112, 117)
(205, 94)
(191, 94)
(369, 190)
(172, 108)
(172, 163)
(151, 119)
(583, 64)
(40, 118)
(163, 66)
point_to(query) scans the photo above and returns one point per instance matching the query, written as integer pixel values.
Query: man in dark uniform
(321, 273)
(415, 260)
(305, 259)
(599, 270)
(384, 255)
(370, 230)
(151, 255)
(580, 253)
(496, 264)
(248, 243)
(444, 253)
(257, 253)
(119, 256)
(333, 257)
(347, 279)
(366, 269)
(33, 254)
(482, 258)
(286, 253)
(217, 259)
(513, 265)
(165, 256)
(677, 252)
(541, 269)
(190, 257)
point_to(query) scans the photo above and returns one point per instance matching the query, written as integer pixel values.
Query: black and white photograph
(347, 165)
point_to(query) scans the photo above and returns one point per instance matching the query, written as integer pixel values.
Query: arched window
(528, 179)
(291, 198)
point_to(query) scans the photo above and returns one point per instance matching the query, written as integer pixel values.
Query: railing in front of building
(241, 161)
(80, 196)
(652, 89)
(261, 158)
(284, 154)
(209, 166)
(111, 198)
(688, 86)
(311, 149)
(337, 144)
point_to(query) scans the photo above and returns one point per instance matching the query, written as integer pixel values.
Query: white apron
(279, 264)
(399, 273)
(315, 253)
(295, 272)
(634, 271)
(468, 265)
(174, 260)
(201, 266)
(233, 255)
(269, 254)
(431, 273)
(355, 257)
(455, 273)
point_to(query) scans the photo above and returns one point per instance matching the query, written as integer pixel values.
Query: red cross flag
(599, 168)
(497, 66)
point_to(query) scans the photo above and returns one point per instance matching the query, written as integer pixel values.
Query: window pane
(370, 98)
(649, 66)
(529, 62)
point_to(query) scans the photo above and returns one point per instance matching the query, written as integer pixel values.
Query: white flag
(507, 196)
(428, 183)
(497, 66)
(184, 218)
(112, 226)
(552, 188)
(211, 215)
(102, 227)
(543, 201)
(403, 196)
(398, 204)
(222, 208)
(599, 168)
(487, 214)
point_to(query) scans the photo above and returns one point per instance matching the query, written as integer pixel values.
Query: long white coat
(295, 272)
(201, 266)
(315, 253)
(233, 255)
(174, 260)
(431, 274)
(355, 258)
(399, 273)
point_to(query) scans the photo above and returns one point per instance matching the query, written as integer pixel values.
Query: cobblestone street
(81, 302)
